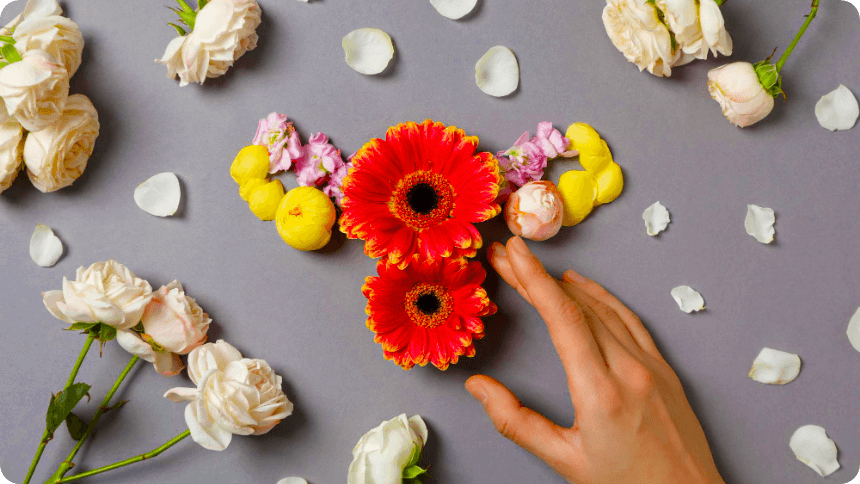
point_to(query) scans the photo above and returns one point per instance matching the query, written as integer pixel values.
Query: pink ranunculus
(281, 139)
(551, 142)
(174, 321)
(523, 162)
(322, 166)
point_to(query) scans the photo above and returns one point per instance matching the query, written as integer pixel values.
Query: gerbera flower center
(428, 305)
(422, 199)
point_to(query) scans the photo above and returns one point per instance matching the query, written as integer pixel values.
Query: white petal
(293, 480)
(837, 110)
(417, 424)
(812, 447)
(854, 330)
(159, 195)
(368, 51)
(45, 247)
(497, 73)
(775, 367)
(759, 223)
(454, 9)
(656, 218)
(688, 299)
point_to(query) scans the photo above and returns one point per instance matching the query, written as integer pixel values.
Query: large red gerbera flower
(429, 312)
(418, 192)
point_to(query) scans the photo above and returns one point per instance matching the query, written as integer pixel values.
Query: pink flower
(551, 142)
(281, 139)
(523, 162)
(322, 166)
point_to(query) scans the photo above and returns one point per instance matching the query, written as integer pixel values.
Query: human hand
(633, 423)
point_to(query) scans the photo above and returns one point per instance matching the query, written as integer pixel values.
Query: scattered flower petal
(45, 247)
(759, 223)
(293, 480)
(837, 110)
(854, 330)
(656, 218)
(775, 367)
(454, 9)
(497, 73)
(368, 50)
(159, 195)
(811, 446)
(688, 299)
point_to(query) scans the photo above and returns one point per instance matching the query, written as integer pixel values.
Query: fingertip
(574, 277)
(518, 245)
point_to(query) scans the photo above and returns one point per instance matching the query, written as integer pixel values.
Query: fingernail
(575, 277)
(498, 250)
(476, 390)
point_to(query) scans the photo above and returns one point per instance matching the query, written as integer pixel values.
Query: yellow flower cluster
(600, 183)
(305, 215)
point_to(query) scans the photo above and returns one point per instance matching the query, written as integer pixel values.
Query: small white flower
(382, 454)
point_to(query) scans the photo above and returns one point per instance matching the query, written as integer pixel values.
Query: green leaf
(10, 53)
(185, 6)
(116, 406)
(81, 326)
(415, 457)
(7, 39)
(413, 472)
(76, 426)
(179, 30)
(63, 403)
(188, 18)
(201, 4)
(106, 333)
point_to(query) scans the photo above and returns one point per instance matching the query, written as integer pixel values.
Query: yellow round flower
(578, 192)
(249, 186)
(251, 162)
(305, 218)
(264, 200)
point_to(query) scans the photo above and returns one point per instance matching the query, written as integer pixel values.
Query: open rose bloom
(41, 26)
(35, 89)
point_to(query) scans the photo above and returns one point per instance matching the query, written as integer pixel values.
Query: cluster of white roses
(658, 35)
(41, 125)
(221, 32)
(234, 395)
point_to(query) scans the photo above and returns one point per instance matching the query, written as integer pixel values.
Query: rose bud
(535, 211)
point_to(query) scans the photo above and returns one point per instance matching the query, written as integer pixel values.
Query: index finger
(568, 326)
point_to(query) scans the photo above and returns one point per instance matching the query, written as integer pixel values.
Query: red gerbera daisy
(429, 312)
(418, 192)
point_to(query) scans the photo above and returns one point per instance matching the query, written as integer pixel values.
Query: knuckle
(640, 379)
(506, 427)
(609, 399)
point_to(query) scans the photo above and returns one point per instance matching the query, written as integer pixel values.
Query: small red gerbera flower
(418, 192)
(429, 312)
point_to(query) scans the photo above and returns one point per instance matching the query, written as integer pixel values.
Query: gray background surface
(304, 312)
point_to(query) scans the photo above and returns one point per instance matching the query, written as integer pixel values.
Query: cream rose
(382, 455)
(714, 28)
(11, 147)
(636, 31)
(698, 27)
(35, 89)
(737, 88)
(105, 292)
(41, 26)
(234, 395)
(175, 321)
(165, 362)
(57, 156)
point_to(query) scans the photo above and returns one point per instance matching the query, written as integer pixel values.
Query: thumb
(522, 425)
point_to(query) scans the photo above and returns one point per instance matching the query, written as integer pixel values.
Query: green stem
(812, 13)
(138, 458)
(67, 464)
(46, 437)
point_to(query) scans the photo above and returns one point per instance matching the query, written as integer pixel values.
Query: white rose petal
(811, 446)
(854, 330)
(45, 247)
(759, 223)
(688, 299)
(837, 110)
(656, 218)
(159, 195)
(11, 149)
(454, 9)
(368, 50)
(775, 367)
(293, 480)
(497, 73)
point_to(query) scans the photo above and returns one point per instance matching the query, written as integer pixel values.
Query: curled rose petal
(837, 110)
(854, 330)
(656, 218)
(688, 299)
(45, 248)
(368, 50)
(454, 9)
(159, 195)
(293, 480)
(775, 367)
(811, 446)
(759, 223)
(497, 73)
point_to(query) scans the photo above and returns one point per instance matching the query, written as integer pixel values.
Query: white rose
(382, 454)
(738, 90)
(11, 148)
(185, 59)
(714, 28)
(636, 31)
(174, 321)
(58, 155)
(105, 292)
(234, 395)
(35, 89)
(41, 26)
(166, 363)
(682, 17)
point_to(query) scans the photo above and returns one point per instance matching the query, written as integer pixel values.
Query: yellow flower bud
(251, 162)
(578, 191)
(264, 200)
(246, 188)
(305, 218)
(610, 182)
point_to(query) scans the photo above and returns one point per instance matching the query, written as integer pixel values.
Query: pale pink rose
(279, 136)
(322, 166)
(166, 363)
(737, 88)
(174, 321)
(551, 142)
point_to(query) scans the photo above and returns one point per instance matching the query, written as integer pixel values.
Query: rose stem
(812, 13)
(45, 437)
(67, 464)
(142, 457)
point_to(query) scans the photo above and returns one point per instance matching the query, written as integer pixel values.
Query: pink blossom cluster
(526, 160)
(318, 163)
